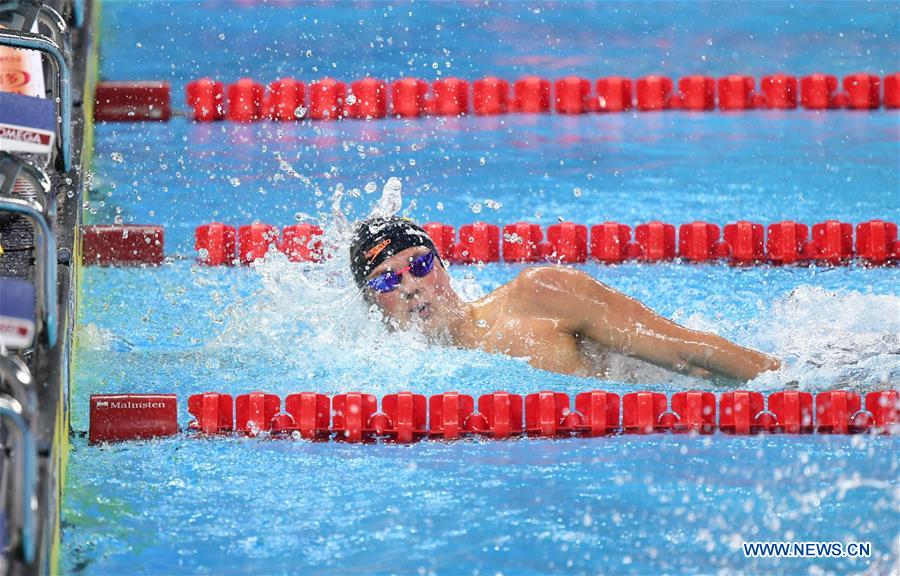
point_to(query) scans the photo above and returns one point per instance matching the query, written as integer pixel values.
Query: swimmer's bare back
(563, 320)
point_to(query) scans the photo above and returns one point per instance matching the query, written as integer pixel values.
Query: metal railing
(59, 30)
(17, 419)
(13, 168)
(15, 378)
(62, 92)
(42, 213)
(46, 263)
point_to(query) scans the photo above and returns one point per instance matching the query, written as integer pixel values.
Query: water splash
(831, 339)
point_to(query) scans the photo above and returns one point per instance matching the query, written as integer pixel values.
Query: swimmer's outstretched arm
(587, 308)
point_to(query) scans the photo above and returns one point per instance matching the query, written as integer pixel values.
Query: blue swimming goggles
(419, 267)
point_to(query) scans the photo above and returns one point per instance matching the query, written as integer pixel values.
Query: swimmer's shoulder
(540, 281)
(531, 289)
(533, 286)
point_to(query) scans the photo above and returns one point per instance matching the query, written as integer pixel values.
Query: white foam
(831, 339)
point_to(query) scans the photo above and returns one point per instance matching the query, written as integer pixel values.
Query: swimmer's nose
(409, 286)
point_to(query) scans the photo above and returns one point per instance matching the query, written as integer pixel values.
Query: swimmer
(560, 319)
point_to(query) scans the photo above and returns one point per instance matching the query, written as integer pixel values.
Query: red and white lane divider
(288, 99)
(406, 417)
(739, 243)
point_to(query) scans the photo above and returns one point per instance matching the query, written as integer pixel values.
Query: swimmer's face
(422, 301)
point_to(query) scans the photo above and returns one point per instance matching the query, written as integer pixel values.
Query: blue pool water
(660, 504)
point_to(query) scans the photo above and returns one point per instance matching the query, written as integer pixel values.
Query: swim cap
(377, 239)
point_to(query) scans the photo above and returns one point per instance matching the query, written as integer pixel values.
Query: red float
(302, 243)
(641, 412)
(368, 99)
(478, 242)
(245, 100)
(697, 241)
(132, 101)
(408, 97)
(875, 241)
(739, 412)
(835, 411)
(521, 242)
(696, 412)
(793, 412)
(285, 100)
(817, 92)
(406, 412)
(832, 242)
(311, 413)
(571, 95)
(780, 91)
(122, 245)
(599, 413)
(213, 413)
(532, 95)
(885, 409)
(892, 91)
(786, 242)
(206, 98)
(614, 94)
(609, 242)
(447, 414)
(863, 91)
(567, 242)
(327, 98)
(736, 93)
(216, 244)
(443, 236)
(117, 417)
(654, 93)
(656, 240)
(697, 93)
(745, 242)
(254, 412)
(502, 414)
(544, 412)
(352, 412)
(255, 240)
(490, 96)
(450, 97)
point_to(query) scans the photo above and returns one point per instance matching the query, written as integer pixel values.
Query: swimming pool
(619, 505)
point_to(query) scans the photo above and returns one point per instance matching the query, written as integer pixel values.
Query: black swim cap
(377, 239)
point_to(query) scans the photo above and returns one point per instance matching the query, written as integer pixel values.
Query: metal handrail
(39, 42)
(59, 29)
(23, 510)
(17, 378)
(46, 262)
(13, 167)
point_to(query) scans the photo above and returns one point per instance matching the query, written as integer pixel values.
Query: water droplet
(117, 157)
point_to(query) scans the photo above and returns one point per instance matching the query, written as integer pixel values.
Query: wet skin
(563, 321)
